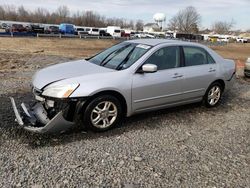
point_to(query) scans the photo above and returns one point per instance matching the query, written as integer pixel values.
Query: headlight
(59, 91)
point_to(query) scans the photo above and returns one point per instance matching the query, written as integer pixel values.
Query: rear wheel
(102, 113)
(213, 95)
(247, 75)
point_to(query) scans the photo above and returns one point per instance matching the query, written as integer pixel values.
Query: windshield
(120, 56)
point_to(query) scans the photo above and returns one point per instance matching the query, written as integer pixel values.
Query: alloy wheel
(214, 95)
(104, 114)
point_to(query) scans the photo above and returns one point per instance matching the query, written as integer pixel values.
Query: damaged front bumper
(42, 119)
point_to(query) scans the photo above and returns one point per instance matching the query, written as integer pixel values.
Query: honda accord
(131, 77)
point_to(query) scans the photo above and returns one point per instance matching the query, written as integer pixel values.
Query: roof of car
(155, 42)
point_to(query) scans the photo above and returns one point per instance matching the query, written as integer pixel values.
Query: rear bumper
(229, 83)
(36, 119)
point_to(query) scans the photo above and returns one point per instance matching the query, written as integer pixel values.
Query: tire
(210, 99)
(247, 76)
(102, 113)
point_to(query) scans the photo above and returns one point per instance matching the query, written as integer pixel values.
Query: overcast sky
(210, 10)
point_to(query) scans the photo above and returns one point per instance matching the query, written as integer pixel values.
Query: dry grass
(234, 51)
(73, 48)
(76, 48)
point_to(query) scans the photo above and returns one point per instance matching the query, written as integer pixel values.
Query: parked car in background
(241, 39)
(137, 35)
(65, 28)
(4, 25)
(15, 28)
(94, 31)
(168, 35)
(36, 28)
(124, 33)
(213, 39)
(148, 35)
(103, 33)
(143, 35)
(51, 29)
(159, 36)
(247, 68)
(81, 31)
(131, 77)
(114, 31)
(223, 39)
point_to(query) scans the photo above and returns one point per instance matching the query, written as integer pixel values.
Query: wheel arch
(114, 93)
(221, 82)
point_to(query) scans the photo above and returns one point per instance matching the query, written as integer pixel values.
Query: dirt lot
(188, 146)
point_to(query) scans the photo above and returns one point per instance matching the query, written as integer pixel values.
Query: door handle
(176, 75)
(212, 70)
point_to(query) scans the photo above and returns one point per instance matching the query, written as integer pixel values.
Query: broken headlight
(59, 91)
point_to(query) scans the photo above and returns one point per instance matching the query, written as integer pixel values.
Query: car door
(199, 72)
(152, 90)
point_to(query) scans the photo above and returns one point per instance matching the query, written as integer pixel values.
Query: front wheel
(213, 95)
(102, 113)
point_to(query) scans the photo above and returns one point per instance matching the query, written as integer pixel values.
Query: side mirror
(149, 68)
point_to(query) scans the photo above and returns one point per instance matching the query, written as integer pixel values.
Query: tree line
(187, 20)
(62, 15)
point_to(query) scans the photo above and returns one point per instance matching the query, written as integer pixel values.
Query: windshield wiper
(104, 62)
(118, 67)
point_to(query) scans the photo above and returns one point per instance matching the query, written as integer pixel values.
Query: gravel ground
(188, 146)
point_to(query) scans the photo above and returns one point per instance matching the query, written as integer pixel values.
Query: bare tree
(139, 25)
(131, 24)
(77, 17)
(62, 14)
(63, 11)
(186, 21)
(2, 13)
(40, 15)
(23, 14)
(223, 27)
(10, 12)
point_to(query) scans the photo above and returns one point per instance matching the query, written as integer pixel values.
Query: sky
(210, 10)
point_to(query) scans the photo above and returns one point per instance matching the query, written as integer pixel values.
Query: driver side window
(165, 58)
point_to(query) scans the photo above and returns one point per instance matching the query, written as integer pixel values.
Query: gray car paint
(52, 126)
(142, 92)
(66, 70)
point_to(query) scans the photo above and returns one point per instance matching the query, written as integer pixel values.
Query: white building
(151, 27)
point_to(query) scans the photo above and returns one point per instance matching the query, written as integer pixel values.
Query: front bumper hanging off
(38, 120)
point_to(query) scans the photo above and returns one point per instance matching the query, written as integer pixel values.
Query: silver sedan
(131, 77)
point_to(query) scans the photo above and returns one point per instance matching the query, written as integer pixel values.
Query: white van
(223, 39)
(241, 39)
(81, 30)
(114, 31)
(94, 31)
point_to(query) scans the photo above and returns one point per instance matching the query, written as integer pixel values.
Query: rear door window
(195, 56)
(210, 60)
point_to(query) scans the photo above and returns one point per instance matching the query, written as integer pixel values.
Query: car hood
(64, 71)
